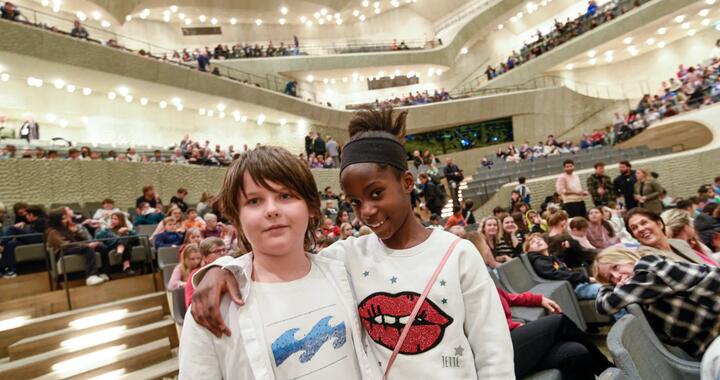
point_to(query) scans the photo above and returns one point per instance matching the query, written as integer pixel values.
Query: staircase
(127, 338)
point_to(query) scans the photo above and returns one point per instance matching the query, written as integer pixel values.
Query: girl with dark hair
(63, 233)
(600, 232)
(119, 236)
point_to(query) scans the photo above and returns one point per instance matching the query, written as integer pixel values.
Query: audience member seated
(10, 12)
(456, 219)
(179, 199)
(190, 261)
(679, 225)
(647, 227)
(510, 240)
(211, 249)
(79, 31)
(193, 220)
(170, 237)
(600, 233)
(409, 100)
(708, 231)
(330, 211)
(33, 224)
(578, 230)
(174, 213)
(552, 341)
(488, 241)
(212, 227)
(151, 197)
(106, 210)
(679, 298)
(549, 267)
(329, 229)
(562, 244)
(148, 215)
(119, 237)
(73, 239)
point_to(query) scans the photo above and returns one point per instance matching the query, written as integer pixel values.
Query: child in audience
(390, 269)
(456, 219)
(211, 249)
(212, 227)
(175, 213)
(170, 237)
(192, 220)
(329, 229)
(193, 236)
(578, 231)
(119, 236)
(535, 222)
(549, 267)
(191, 259)
(346, 231)
(272, 198)
(436, 222)
(148, 215)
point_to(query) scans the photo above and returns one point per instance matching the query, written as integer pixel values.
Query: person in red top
(211, 249)
(329, 229)
(553, 341)
(456, 219)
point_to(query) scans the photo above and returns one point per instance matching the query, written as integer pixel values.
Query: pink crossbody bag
(418, 304)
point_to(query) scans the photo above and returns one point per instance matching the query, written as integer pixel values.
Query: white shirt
(306, 330)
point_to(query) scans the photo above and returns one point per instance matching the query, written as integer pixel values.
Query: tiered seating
(486, 182)
(131, 338)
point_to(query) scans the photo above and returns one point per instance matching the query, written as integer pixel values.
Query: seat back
(636, 350)
(145, 229)
(515, 276)
(168, 256)
(30, 252)
(178, 309)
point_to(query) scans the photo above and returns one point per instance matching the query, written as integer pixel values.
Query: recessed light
(679, 19)
(662, 31)
(258, 22)
(284, 10)
(365, 3)
(704, 12)
(569, 66)
(650, 41)
(686, 25)
(281, 21)
(661, 44)
(96, 15)
(356, 13)
(592, 61)
(705, 22)
(591, 54)
(310, 78)
(303, 19)
(692, 32)
(202, 18)
(233, 21)
(309, 23)
(627, 40)
(464, 50)
(500, 26)
(323, 11)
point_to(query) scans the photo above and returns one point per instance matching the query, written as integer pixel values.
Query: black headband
(379, 150)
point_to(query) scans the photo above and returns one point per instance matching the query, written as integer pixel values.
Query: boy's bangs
(277, 171)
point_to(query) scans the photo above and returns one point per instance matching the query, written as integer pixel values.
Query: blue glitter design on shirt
(286, 345)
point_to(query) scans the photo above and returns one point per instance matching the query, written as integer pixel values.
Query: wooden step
(49, 341)
(41, 364)
(163, 370)
(46, 303)
(57, 321)
(117, 359)
(23, 286)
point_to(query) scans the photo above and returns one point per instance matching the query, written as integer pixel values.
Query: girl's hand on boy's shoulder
(207, 296)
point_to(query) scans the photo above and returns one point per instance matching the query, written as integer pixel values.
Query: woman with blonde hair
(679, 298)
(488, 241)
(648, 191)
(679, 225)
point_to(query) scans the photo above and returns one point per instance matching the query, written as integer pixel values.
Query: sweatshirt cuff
(221, 262)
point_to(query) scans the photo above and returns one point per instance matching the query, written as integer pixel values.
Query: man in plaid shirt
(681, 300)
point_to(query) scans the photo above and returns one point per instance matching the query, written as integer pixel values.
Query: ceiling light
(500, 26)
(513, 19)
(662, 31)
(181, 16)
(96, 15)
(328, 17)
(376, 4)
(301, 123)
(339, 21)
(309, 23)
(323, 11)
(50, 117)
(166, 18)
(686, 25)
(704, 12)
(321, 21)
(284, 10)
(283, 122)
(679, 19)
(464, 50)
(365, 3)
(59, 83)
(281, 21)
(129, 98)
(569, 66)
(213, 21)
(34, 82)
(63, 123)
(144, 101)
(705, 22)
(260, 119)
(438, 72)
(4, 77)
(233, 21)
(519, 15)
(591, 54)
(650, 41)
(608, 58)
(87, 91)
(356, 13)
(105, 23)
(123, 91)
(337, 15)
(258, 22)
(221, 115)
(692, 32)
(661, 44)
(431, 72)
(395, 3)
(310, 78)
(377, 11)
(81, 16)
(243, 118)
(202, 18)
(179, 107)
(220, 107)
(188, 21)
(325, 80)
(303, 19)
(345, 79)
(627, 40)
(210, 113)
(710, 2)
(175, 100)
(173, 8)
(362, 18)
(163, 104)
(592, 61)
(316, 15)
(70, 88)
(111, 95)
(609, 52)
(128, 18)
(201, 111)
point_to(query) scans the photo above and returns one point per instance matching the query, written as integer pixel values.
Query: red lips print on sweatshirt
(384, 316)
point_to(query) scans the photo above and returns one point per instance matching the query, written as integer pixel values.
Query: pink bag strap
(418, 304)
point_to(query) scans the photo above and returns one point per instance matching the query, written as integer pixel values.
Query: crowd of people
(633, 240)
(563, 32)
(691, 88)
(411, 99)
